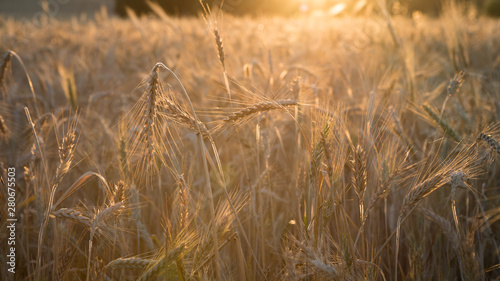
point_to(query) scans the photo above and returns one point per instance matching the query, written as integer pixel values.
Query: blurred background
(67, 8)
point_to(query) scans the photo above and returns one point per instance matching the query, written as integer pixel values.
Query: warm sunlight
(332, 7)
(256, 140)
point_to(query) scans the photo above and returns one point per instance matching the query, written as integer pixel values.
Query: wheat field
(225, 148)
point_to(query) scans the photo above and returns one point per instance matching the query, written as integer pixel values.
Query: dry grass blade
(260, 107)
(79, 183)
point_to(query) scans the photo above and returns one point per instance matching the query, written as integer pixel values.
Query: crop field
(228, 148)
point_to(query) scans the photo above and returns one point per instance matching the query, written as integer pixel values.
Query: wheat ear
(455, 83)
(183, 117)
(220, 48)
(411, 199)
(96, 224)
(151, 111)
(160, 265)
(491, 141)
(419, 192)
(66, 154)
(130, 263)
(445, 225)
(4, 130)
(222, 60)
(72, 214)
(65, 260)
(260, 107)
(359, 178)
(3, 66)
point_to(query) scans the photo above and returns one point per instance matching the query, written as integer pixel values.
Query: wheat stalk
(412, 198)
(96, 224)
(448, 130)
(457, 180)
(260, 107)
(45, 217)
(400, 132)
(65, 261)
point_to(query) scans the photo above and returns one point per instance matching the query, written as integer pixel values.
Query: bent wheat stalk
(208, 186)
(411, 199)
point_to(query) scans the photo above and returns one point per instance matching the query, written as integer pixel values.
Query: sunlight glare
(336, 9)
